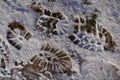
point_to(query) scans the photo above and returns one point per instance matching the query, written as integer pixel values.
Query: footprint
(49, 20)
(85, 33)
(30, 72)
(16, 34)
(4, 53)
(53, 59)
(53, 25)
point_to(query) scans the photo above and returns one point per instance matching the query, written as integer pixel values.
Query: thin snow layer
(95, 65)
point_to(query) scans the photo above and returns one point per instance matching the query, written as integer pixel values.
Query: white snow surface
(97, 65)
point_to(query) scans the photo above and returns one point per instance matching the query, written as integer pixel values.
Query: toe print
(52, 59)
(16, 34)
(49, 20)
(88, 35)
(85, 35)
(50, 24)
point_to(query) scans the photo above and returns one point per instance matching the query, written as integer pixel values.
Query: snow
(96, 65)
